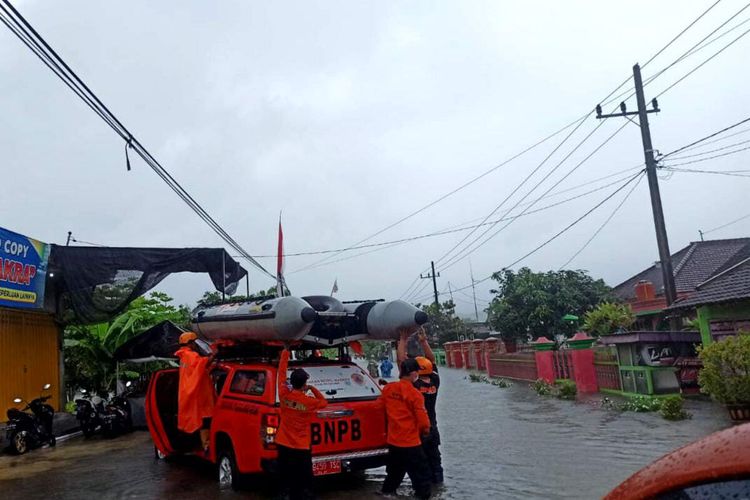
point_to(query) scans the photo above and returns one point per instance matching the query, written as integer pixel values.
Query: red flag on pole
(280, 263)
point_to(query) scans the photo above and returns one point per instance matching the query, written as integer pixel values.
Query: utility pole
(653, 181)
(434, 283)
(70, 235)
(474, 292)
(450, 291)
(701, 233)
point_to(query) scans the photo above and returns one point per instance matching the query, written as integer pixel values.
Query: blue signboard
(23, 270)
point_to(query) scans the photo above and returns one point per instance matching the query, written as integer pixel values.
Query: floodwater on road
(497, 443)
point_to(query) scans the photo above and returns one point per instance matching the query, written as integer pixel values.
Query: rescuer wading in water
(293, 438)
(195, 400)
(407, 422)
(427, 384)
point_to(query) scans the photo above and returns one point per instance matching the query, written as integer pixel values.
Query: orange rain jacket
(405, 414)
(195, 399)
(297, 410)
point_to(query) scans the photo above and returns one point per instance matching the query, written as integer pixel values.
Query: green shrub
(501, 382)
(726, 369)
(671, 408)
(475, 377)
(70, 407)
(542, 387)
(641, 404)
(565, 389)
(607, 318)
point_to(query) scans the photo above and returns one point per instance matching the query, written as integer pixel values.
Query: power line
(727, 224)
(698, 46)
(606, 221)
(452, 192)
(707, 158)
(559, 233)
(525, 180)
(702, 139)
(458, 228)
(682, 32)
(703, 153)
(468, 251)
(703, 63)
(720, 139)
(718, 172)
(543, 140)
(695, 48)
(21, 28)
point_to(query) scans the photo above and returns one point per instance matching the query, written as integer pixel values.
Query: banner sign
(23, 270)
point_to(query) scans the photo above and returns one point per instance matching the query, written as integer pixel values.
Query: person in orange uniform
(195, 399)
(407, 421)
(293, 436)
(428, 385)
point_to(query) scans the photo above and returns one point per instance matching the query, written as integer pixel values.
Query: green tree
(607, 318)
(88, 350)
(444, 325)
(213, 297)
(533, 304)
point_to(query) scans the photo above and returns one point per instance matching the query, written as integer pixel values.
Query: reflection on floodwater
(497, 443)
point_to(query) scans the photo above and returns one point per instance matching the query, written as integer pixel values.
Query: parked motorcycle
(88, 415)
(30, 430)
(116, 417)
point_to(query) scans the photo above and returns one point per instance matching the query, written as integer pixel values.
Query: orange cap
(187, 337)
(425, 365)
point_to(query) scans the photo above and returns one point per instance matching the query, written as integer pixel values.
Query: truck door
(161, 415)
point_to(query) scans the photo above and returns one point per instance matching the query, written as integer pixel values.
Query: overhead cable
(20, 27)
(727, 224)
(703, 139)
(606, 221)
(559, 233)
(468, 251)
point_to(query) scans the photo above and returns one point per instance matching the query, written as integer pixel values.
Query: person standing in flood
(293, 436)
(407, 422)
(195, 397)
(427, 384)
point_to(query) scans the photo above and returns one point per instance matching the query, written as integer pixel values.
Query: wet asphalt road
(497, 443)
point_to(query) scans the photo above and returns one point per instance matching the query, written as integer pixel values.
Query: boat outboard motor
(284, 318)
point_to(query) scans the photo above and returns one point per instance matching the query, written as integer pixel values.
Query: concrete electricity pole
(665, 256)
(474, 292)
(434, 283)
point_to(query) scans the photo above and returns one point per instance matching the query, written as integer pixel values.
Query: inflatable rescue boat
(317, 319)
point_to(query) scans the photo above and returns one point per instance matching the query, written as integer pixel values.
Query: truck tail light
(269, 426)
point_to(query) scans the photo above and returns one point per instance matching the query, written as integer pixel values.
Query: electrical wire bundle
(20, 27)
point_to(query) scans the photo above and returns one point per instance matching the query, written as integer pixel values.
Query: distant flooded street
(497, 443)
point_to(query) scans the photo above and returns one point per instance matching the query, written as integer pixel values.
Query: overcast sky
(347, 116)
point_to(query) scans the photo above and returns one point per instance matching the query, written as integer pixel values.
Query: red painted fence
(517, 365)
(563, 364)
(606, 368)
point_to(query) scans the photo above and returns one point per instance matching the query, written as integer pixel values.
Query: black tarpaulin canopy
(94, 284)
(158, 342)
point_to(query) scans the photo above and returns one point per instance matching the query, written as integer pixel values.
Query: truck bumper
(350, 462)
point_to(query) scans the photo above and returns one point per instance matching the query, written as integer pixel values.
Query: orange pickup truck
(347, 435)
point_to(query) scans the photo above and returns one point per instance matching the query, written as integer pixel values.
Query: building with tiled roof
(711, 277)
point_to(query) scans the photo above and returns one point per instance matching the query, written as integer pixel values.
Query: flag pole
(280, 262)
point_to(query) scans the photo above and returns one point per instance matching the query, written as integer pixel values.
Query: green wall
(734, 311)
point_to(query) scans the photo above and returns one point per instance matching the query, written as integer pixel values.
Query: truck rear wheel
(228, 475)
